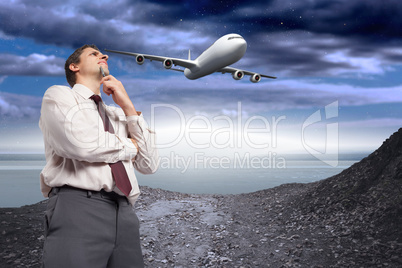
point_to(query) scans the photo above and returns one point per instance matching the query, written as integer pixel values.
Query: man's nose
(104, 57)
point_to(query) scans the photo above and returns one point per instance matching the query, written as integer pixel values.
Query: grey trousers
(86, 229)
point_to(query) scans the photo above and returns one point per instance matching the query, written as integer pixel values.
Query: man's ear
(74, 67)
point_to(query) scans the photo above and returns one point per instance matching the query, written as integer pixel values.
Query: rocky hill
(369, 193)
(363, 205)
(352, 219)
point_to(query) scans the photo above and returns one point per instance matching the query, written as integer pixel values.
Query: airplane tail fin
(189, 55)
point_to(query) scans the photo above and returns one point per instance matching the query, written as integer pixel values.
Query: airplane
(225, 51)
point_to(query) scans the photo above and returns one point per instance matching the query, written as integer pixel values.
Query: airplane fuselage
(225, 51)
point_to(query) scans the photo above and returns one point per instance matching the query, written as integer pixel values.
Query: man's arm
(135, 143)
(146, 159)
(74, 130)
(112, 86)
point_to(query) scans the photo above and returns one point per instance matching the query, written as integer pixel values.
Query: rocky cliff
(369, 193)
(363, 205)
(352, 219)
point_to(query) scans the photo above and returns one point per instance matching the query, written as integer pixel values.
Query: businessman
(91, 152)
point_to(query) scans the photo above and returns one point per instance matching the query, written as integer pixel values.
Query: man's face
(90, 62)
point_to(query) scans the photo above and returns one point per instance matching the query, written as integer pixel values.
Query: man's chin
(105, 69)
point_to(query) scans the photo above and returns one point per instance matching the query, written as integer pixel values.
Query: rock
(351, 219)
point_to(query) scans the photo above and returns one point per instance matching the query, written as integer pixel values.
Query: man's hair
(75, 58)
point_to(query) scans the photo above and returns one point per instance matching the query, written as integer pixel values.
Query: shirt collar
(82, 90)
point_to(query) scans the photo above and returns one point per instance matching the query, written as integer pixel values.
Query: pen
(102, 72)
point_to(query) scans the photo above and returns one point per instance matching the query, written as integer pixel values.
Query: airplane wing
(180, 62)
(232, 70)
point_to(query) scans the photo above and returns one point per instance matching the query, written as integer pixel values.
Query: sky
(338, 63)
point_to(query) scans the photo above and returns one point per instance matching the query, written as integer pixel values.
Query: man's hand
(114, 87)
(135, 143)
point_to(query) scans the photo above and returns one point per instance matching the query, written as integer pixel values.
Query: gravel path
(352, 219)
(262, 229)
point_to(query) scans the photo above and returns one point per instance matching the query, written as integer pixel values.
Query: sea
(19, 176)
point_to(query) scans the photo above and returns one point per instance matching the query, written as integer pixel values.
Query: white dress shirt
(78, 149)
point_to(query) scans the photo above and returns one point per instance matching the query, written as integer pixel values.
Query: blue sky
(323, 52)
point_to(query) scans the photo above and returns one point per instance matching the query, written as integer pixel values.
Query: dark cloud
(69, 26)
(34, 64)
(377, 21)
(19, 107)
(214, 93)
(193, 10)
(102, 12)
(300, 38)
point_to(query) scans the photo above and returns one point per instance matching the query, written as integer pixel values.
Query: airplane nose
(244, 43)
(242, 46)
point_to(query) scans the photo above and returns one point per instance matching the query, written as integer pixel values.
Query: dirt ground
(352, 219)
(262, 229)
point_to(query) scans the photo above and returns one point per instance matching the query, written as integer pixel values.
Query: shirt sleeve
(147, 159)
(74, 130)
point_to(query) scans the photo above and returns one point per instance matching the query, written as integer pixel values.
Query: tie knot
(96, 98)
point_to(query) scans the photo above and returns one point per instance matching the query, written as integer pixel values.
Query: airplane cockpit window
(233, 37)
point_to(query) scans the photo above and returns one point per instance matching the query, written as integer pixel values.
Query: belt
(102, 193)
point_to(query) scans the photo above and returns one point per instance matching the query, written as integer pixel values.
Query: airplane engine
(255, 78)
(238, 75)
(168, 63)
(139, 59)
